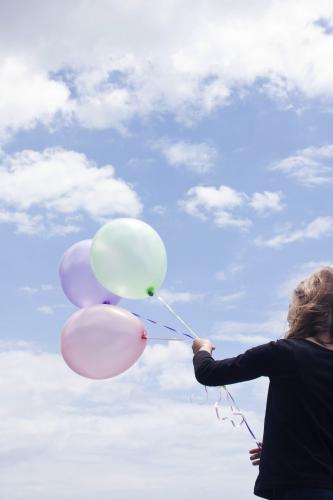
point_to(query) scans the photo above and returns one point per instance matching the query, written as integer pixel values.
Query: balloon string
(163, 326)
(239, 413)
(195, 336)
(230, 419)
(173, 340)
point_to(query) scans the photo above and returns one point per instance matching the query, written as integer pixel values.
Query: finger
(255, 450)
(258, 452)
(196, 345)
(255, 457)
(257, 462)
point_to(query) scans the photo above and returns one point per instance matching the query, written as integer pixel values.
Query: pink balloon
(102, 341)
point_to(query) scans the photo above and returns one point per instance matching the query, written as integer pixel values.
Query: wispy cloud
(321, 227)
(236, 268)
(25, 223)
(204, 201)
(197, 157)
(297, 274)
(46, 288)
(230, 272)
(271, 328)
(220, 276)
(266, 202)
(308, 166)
(32, 290)
(230, 298)
(243, 338)
(159, 209)
(221, 202)
(48, 310)
(28, 290)
(172, 296)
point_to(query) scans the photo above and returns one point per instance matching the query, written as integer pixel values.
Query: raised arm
(253, 363)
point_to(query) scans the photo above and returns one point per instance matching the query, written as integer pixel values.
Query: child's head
(311, 310)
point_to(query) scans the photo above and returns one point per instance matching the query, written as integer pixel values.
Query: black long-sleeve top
(298, 433)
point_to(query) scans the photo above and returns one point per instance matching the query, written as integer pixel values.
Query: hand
(202, 345)
(255, 455)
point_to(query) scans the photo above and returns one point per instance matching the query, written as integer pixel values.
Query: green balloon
(128, 258)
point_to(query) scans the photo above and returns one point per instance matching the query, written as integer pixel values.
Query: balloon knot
(144, 335)
(151, 291)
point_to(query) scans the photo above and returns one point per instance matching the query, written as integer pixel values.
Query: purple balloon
(78, 280)
(101, 342)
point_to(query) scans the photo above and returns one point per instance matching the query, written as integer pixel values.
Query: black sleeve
(253, 363)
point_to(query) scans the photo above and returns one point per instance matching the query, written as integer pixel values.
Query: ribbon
(170, 328)
(194, 335)
(238, 412)
(234, 409)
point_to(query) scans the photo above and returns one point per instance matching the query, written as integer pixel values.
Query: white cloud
(17, 345)
(244, 338)
(296, 275)
(46, 288)
(172, 297)
(62, 185)
(48, 310)
(308, 166)
(321, 152)
(209, 198)
(320, 227)
(220, 202)
(66, 436)
(271, 328)
(197, 157)
(25, 223)
(220, 276)
(28, 96)
(159, 209)
(266, 202)
(232, 270)
(224, 219)
(185, 60)
(236, 268)
(202, 201)
(232, 297)
(32, 290)
(28, 290)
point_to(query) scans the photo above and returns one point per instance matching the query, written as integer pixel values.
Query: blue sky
(217, 132)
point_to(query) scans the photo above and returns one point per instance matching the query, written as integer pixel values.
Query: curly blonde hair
(311, 310)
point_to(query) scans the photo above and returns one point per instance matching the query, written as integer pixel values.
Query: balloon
(129, 258)
(102, 341)
(78, 280)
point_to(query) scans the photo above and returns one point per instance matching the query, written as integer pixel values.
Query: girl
(296, 459)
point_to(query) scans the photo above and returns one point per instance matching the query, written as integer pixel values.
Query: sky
(211, 121)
